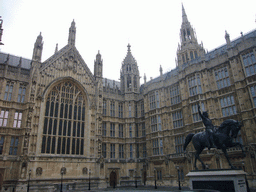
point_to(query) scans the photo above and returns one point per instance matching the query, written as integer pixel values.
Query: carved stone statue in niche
(33, 88)
(85, 171)
(71, 62)
(39, 171)
(23, 169)
(63, 170)
(30, 112)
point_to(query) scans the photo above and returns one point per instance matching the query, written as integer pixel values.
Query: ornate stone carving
(85, 171)
(39, 171)
(63, 170)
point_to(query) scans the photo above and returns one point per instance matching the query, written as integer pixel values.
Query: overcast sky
(152, 28)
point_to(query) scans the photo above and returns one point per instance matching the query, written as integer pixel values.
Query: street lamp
(178, 169)
(155, 178)
(89, 180)
(61, 172)
(136, 179)
(29, 173)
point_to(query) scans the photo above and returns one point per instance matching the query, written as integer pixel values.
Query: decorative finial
(227, 38)
(129, 47)
(56, 48)
(1, 30)
(161, 70)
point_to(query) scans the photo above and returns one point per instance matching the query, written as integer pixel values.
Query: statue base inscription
(224, 180)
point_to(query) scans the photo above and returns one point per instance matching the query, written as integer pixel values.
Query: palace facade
(61, 123)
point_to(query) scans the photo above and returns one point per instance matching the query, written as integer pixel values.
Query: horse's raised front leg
(226, 155)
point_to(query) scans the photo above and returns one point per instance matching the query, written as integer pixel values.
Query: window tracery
(64, 121)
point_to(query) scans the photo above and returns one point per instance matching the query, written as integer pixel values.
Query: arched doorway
(113, 179)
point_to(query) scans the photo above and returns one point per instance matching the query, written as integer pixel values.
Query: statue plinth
(224, 180)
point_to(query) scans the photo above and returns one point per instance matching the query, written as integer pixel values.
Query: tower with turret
(188, 49)
(130, 76)
(38, 48)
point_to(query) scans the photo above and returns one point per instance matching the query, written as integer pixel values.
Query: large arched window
(64, 120)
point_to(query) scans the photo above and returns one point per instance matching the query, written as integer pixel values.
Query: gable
(67, 62)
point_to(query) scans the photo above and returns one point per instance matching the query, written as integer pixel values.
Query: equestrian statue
(220, 138)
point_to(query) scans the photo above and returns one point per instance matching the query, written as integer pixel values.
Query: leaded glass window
(179, 142)
(194, 84)
(177, 119)
(253, 92)
(14, 145)
(64, 121)
(8, 91)
(17, 119)
(228, 106)
(222, 78)
(4, 117)
(249, 63)
(21, 94)
(175, 94)
(121, 151)
(1, 145)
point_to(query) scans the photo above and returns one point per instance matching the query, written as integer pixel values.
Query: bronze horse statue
(222, 136)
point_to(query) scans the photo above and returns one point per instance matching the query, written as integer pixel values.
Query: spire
(184, 15)
(188, 49)
(129, 59)
(38, 48)
(129, 75)
(72, 34)
(98, 65)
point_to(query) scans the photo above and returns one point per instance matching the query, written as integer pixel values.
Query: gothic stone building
(60, 122)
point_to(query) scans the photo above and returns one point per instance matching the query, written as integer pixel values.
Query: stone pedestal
(222, 180)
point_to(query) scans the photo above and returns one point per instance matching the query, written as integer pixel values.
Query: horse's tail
(187, 140)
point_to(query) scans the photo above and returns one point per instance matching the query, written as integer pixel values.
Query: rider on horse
(209, 128)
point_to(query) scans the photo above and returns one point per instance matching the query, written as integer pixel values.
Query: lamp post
(136, 179)
(89, 180)
(178, 169)
(155, 178)
(61, 172)
(29, 173)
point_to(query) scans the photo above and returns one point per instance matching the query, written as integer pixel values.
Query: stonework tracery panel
(64, 121)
